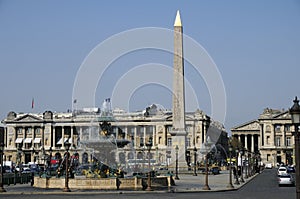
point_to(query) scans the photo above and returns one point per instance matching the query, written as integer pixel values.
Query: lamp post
(242, 165)
(295, 116)
(149, 145)
(19, 157)
(66, 188)
(195, 161)
(50, 154)
(236, 166)
(1, 161)
(230, 186)
(246, 162)
(205, 150)
(176, 163)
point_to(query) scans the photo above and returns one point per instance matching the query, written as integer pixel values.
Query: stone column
(135, 138)
(63, 136)
(80, 133)
(126, 132)
(252, 143)
(42, 136)
(72, 137)
(145, 134)
(54, 141)
(246, 141)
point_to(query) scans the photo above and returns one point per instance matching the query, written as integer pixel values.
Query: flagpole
(32, 103)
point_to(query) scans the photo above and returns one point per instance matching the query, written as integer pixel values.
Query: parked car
(291, 169)
(286, 179)
(282, 170)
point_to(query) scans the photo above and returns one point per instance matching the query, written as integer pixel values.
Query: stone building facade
(270, 134)
(33, 137)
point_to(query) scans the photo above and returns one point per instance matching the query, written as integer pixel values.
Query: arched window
(122, 158)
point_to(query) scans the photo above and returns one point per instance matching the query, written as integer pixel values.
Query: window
(169, 129)
(169, 143)
(288, 141)
(142, 130)
(150, 129)
(268, 157)
(268, 139)
(19, 130)
(268, 129)
(159, 140)
(198, 139)
(277, 128)
(188, 129)
(277, 140)
(188, 142)
(287, 128)
(141, 141)
(132, 131)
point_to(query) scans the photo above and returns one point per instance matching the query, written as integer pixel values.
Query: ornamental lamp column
(149, 145)
(67, 146)
(295, 116)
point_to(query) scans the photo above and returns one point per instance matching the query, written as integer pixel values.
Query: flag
(32, 103)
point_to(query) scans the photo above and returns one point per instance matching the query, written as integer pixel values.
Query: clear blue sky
(255, 45)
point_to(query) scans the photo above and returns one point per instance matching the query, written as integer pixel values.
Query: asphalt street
(262, 186)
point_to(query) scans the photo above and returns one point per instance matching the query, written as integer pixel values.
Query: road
(261, 187)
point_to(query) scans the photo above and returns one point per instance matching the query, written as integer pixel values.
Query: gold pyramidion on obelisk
(177, 19)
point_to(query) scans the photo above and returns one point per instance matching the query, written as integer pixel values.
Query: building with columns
(270, 134)
(35, 136)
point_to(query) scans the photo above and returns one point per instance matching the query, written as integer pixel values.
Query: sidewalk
(189, 183)
(186, 183)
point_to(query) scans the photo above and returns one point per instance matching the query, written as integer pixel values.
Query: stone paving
(186, 183)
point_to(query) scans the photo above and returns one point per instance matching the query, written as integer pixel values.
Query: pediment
(28, 118)
(284, 115)
(252, 126)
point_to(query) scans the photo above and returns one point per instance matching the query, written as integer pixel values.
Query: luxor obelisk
(178, 131)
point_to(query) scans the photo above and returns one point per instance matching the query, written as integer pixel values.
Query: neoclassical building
(34, 136)
(270, 134)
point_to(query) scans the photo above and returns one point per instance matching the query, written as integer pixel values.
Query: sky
(254, 44)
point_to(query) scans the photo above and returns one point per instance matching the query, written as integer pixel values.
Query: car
(291, 169)
(215, 170)
(286, 179)
(269, 166)
(282, 170)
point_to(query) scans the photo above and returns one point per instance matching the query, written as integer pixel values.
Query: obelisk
(178, 131)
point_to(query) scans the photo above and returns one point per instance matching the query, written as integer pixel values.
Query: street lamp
(176, 163)
(242, 165)
(1, 161)
(195, 161)
(246, 162)
(236, 166)
(230, 186)
(295, 116)
(205, 150)
(19, 158)
(67, 189)
(149, 145)
(50, 151)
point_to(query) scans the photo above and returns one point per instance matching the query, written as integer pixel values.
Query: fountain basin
(82, 182)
